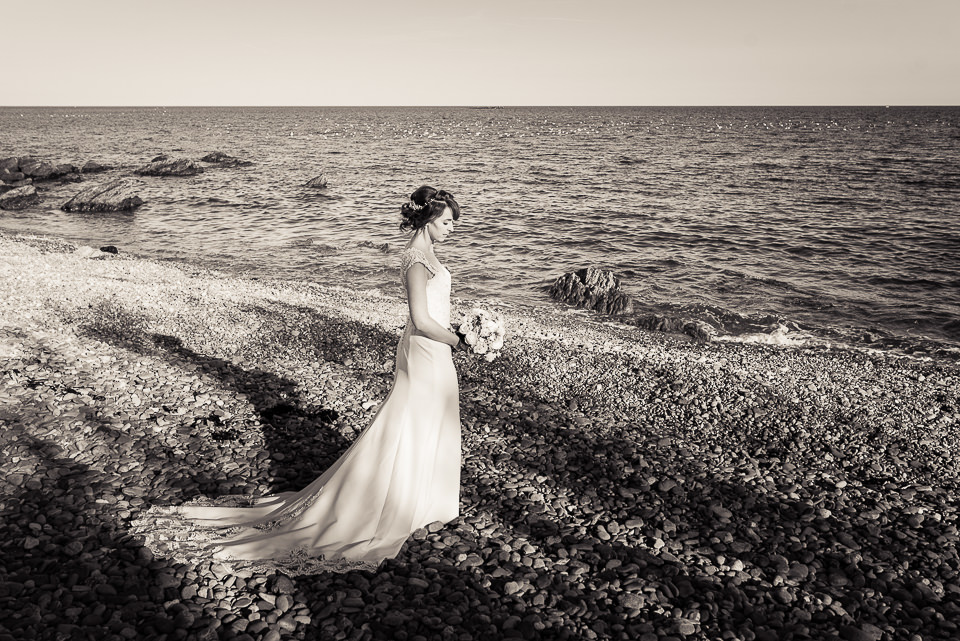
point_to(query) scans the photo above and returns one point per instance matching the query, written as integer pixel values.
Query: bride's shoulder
(412, 255)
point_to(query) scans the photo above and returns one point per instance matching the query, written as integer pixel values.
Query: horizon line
(480, 106)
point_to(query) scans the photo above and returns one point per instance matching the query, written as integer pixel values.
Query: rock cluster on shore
(616, 484)
(18, 175)
(20, 171)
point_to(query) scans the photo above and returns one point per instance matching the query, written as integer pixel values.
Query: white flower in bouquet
(483, 331)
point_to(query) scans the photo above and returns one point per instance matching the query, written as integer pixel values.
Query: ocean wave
(383, 248)
(773, 166)
(952, 328)
(322, 248)
(781, 336)
(922, 283)
(761, 278)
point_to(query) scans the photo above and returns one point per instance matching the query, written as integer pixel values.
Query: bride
(402, 472)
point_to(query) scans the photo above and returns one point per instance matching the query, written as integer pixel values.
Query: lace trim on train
(289, 515)
(170, 535)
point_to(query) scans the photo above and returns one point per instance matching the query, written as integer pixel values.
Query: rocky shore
(616, 484)
(19, 176)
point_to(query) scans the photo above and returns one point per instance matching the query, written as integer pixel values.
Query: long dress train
(401, 473)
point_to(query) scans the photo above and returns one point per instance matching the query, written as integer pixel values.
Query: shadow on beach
(570, 530)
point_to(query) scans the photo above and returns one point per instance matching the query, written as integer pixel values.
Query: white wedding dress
(402, 473)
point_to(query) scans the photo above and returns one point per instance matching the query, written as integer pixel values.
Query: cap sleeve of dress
(410, 257)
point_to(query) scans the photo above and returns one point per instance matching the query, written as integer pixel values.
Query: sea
(795, 227)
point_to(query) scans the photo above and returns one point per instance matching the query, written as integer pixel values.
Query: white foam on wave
(782, 336)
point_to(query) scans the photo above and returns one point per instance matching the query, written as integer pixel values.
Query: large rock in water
(592, 288)
(93, 167)
(178, 167)
(15, 169)
(225, 160)
(116, 196)
(38, 169)
(19, 198)
(318, 182)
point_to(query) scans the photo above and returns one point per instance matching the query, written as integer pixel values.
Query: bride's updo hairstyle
(426, 205)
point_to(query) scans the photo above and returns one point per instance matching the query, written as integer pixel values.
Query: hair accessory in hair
(414, 206)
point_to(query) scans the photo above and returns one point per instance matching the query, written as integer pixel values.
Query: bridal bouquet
(483, 331)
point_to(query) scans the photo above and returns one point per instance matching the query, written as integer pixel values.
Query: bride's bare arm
(417, 300)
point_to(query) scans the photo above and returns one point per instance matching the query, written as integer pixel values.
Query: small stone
(784, 596)
(184, 620)
(666, 485)
(863, 632)
(283, 585)
(798, 571)
(256, 625)
(686, 628)
(167, 580)
(721, 512)
(471, 561)
(631, 600)
(394, 619)
(838, 579)
(73, 548)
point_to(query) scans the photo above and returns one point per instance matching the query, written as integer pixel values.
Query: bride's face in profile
(441, 227)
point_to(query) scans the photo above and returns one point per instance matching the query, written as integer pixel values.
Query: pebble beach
(616, 484)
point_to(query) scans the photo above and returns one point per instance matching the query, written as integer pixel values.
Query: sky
(481, 52)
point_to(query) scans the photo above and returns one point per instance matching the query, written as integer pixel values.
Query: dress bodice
(438, 285)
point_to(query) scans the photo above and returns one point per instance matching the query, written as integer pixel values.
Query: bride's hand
(461, 346)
